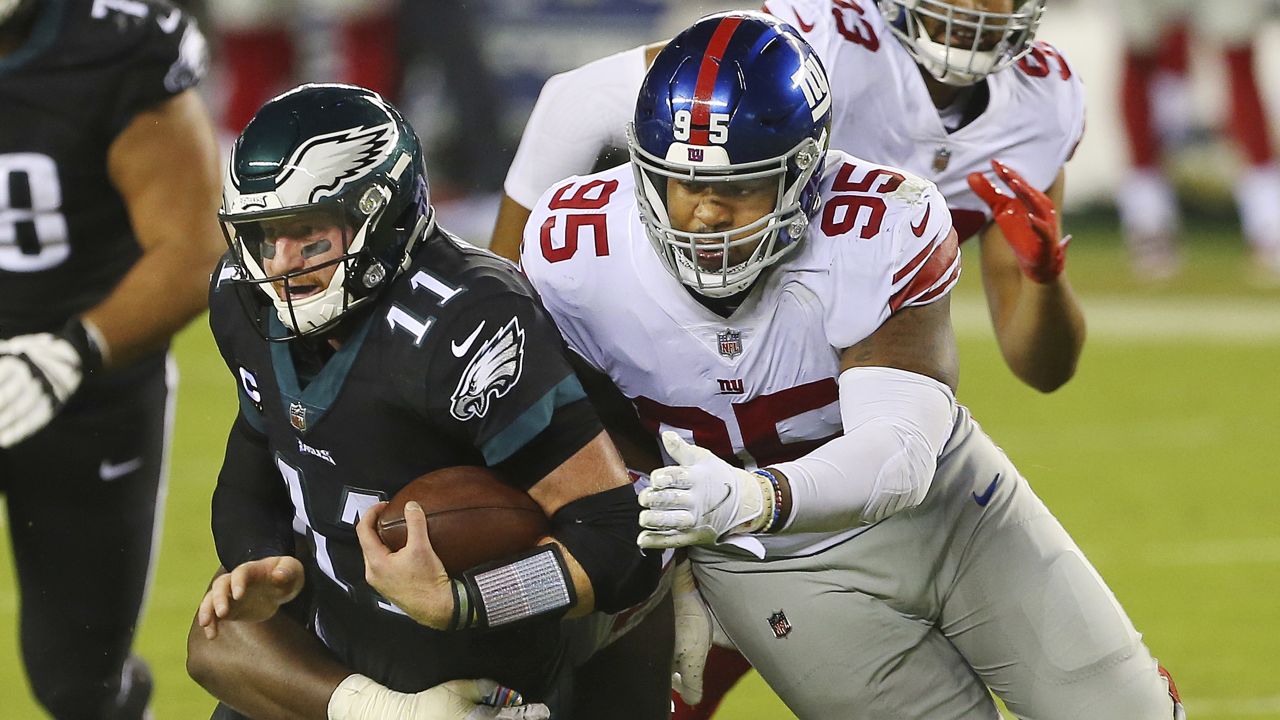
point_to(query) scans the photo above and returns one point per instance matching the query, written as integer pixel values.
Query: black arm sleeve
(600, 532)
(252, 513)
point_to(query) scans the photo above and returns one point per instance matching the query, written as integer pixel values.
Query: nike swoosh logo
(985, 497)
(806, 27)
(924, 222)
(460, 350)
(109, 471)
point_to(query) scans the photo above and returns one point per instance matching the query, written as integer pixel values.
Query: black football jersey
(86, 71)
(457, 364)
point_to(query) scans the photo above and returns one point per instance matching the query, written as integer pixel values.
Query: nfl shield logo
(941, 159)
(298, 415)
(730, 342)
(779, 624)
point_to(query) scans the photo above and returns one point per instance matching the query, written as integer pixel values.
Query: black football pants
(82, 498)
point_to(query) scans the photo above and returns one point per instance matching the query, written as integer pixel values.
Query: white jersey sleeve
(927, 263)
(578, 114)
(571, 250)
(887, 239)
(1070, 103)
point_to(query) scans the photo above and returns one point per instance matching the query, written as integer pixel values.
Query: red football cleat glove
(1029, 222)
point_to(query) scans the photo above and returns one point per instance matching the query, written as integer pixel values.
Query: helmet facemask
(959, 46)
(288, 252)
(331, 178)
(772, 236)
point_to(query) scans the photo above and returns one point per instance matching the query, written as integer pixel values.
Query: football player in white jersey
(779, 314)
(963, 84)
(941, 101)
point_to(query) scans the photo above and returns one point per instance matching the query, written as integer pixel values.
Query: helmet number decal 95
(718, 127)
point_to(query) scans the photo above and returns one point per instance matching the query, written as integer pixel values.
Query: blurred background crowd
(1181, 113)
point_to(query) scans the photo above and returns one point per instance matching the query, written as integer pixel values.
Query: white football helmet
(959, 43)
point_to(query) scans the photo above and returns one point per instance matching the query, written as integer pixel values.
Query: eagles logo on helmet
(321, 156)
(713, 110)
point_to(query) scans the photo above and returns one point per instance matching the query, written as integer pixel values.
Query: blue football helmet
(963, 45)
(324, 155)
(738, 96)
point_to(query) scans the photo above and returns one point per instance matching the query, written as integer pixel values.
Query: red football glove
(1029, 221)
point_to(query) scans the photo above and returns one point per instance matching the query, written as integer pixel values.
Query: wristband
(530, 585)
(775, 494)
(88, 342)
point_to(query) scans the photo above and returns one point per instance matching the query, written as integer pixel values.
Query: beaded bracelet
(777, 499)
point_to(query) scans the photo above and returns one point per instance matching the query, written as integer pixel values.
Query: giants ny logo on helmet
(490, 374)
(812, 81)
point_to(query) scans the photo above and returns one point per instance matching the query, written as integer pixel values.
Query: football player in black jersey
(108, 185)
(370, 346)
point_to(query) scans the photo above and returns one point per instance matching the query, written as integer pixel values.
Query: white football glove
(38, 373)
(702, 501)
(693, 634)
(360, 698)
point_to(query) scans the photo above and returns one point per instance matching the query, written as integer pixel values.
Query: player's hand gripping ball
(473, 517)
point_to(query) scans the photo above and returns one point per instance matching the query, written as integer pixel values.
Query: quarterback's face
(962, 31)
(299, 242)
(700, 207)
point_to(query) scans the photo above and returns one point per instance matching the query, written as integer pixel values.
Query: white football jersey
(881, 108)
(881, 111)
(758, 387)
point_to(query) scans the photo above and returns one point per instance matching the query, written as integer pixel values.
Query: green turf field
(1154, 457)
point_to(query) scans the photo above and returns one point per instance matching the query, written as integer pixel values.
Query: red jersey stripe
(937, 261)
(905, 270)
(941, 288)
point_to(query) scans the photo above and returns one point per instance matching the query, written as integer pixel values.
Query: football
(473, 517)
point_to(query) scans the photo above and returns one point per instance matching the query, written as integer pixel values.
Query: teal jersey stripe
(532, 421)
(323, 389)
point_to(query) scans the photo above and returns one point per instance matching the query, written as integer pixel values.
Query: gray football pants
(918, 615)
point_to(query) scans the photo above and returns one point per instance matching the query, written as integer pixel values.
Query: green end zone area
(1158, 458)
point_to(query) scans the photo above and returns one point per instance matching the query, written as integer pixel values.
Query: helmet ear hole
(336, 147)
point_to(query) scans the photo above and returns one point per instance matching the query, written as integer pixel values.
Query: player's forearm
(163, 291)
(272, 670)
(508, 228)
(896, 424)
(1043, 336)
(586, 597)
(597, 529)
